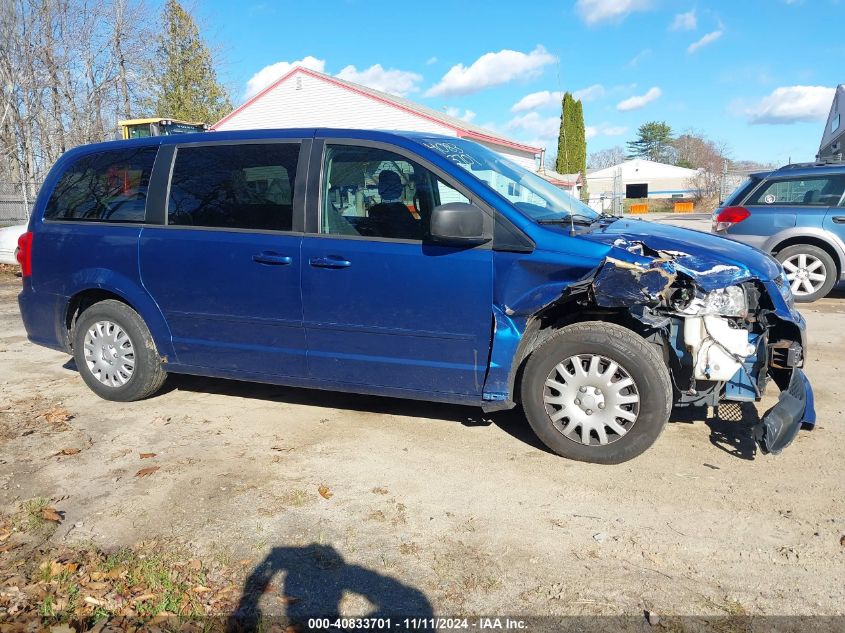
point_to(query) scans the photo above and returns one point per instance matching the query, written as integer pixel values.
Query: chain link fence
(16, 201)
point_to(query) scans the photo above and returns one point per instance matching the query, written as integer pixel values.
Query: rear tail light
(729, 216)
(25, 253)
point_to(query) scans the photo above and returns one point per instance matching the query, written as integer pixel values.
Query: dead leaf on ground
(62, 628)
(379, 490)
(9, 547)
(56, 415)
(144, 597)
(201, 589)
(92, 601)
(5, 534)
(149, 470)
(325, 493)
(147, 455)
(67, 451)
(51, 514)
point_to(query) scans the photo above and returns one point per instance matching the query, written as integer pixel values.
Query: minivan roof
(235, 135)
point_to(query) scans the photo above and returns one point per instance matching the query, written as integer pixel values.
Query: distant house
(307, 98)
(833, 137)
(639, 178)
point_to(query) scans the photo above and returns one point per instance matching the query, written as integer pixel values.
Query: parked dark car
(796, 213)
(404, 265)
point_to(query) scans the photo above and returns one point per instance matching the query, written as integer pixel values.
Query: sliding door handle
(273, 259)
(329, 262)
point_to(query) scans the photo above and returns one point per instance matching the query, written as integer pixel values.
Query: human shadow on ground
(299, 583)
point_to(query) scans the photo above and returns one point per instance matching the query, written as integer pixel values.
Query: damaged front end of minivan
(724, 331)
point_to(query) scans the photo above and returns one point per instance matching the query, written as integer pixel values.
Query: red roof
(461, 128)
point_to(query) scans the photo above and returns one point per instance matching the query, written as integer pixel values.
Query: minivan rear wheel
(596, 392)
(810, 270)
(115, 353)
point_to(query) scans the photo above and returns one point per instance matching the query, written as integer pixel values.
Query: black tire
(147, 375)
(639, 359)
(827, 263)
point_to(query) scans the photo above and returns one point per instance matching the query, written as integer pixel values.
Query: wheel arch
(543, 325)
(85, 295)
(813, 240)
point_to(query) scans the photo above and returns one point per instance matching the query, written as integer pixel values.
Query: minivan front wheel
(596, 392)
(115, 353)
(810, 270)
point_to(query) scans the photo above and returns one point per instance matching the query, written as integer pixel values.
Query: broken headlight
(731, 301)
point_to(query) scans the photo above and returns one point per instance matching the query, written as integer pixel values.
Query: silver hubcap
(591, 399)
(109, 353)
(806, 274)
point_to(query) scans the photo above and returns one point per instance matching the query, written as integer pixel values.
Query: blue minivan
(406, 265)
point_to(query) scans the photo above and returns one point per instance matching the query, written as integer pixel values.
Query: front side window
(108, 186)
(815, 191)
(373, 192)
(240, 186)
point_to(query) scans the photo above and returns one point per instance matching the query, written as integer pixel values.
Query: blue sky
(756, 74)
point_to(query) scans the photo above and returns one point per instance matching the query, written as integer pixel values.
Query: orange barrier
(639, 208)
(684, 207)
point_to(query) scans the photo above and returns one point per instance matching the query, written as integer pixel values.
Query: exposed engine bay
(724, 336)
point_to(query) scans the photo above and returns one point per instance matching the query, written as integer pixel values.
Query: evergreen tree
(581, 149)
(186, 82)
(572, 142)
(654, 142)
(567, 140)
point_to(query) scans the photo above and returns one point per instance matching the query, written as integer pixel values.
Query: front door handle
(329, 262)
(838, 219)
(274, 259)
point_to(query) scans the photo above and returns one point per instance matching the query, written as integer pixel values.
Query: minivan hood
(715, 261)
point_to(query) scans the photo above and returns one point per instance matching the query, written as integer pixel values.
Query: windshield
(534, 197)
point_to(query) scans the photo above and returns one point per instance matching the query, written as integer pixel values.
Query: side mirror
(460, 223)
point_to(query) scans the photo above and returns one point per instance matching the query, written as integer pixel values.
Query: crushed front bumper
(781, 423)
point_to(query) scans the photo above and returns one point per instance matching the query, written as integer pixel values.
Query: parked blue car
(401, 264)
(796, 213)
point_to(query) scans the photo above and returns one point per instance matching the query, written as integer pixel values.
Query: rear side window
(807, 191)
(241, 186)
(108, 186)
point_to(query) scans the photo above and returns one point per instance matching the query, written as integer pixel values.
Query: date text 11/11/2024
(414, 624)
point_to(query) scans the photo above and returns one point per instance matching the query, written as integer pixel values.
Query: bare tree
(606, 157)
(68, 70)
(696, 151)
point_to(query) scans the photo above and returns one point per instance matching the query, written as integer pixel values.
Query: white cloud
(791, 104)
(396, 82)
(468, 115)
(430, 61)
(636, 59)
(684, 22)
(491, 69)
(640, 101)
(538, 126)
(537, 100)
(595, 11)
(592, 131)
(704, 41)
(590, 93)
(547, 98)
(271, 73)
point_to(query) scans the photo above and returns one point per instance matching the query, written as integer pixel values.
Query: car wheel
(810, 270)
(115, 353)
(596, 392)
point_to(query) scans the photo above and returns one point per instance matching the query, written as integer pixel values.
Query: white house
(833, 137)
(307, 98)
(640, 178)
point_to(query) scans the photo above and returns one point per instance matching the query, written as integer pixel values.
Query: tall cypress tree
(572, 142)
(186, 81)
(567, 140)
(581, 149)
